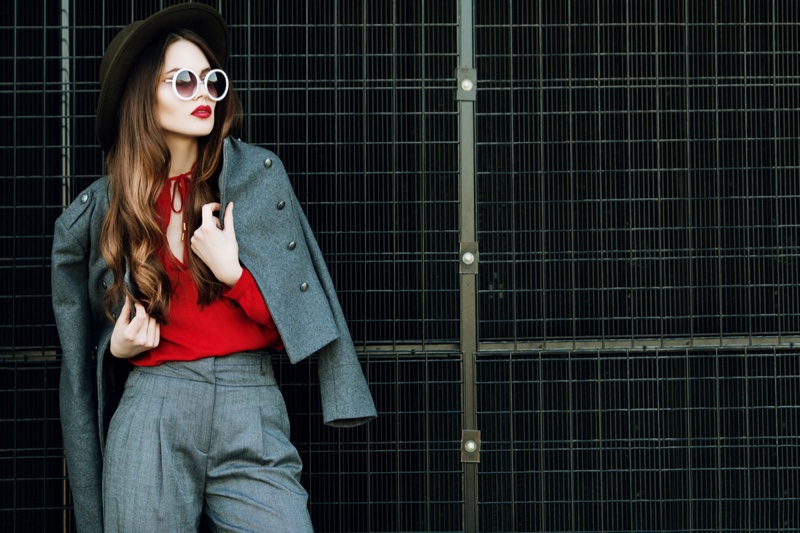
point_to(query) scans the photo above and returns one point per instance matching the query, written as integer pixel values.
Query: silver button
(84, 198)
(292, 245)
(281, 205)
(268, 163)
(304, 287)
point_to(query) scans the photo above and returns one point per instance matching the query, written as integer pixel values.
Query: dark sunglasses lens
(185, 83)
(217, 84)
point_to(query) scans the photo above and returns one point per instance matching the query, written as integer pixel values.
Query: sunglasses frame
(203, 80)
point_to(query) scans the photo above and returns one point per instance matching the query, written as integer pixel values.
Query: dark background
(637, 213)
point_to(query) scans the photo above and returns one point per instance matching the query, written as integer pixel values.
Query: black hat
(126, 47)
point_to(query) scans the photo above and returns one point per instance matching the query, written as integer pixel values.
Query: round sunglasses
(186, 84)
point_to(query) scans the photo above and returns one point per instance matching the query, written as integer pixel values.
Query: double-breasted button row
(280, 206)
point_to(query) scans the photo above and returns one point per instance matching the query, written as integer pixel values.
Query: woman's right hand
(133, 336)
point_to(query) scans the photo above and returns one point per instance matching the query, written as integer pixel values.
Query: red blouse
(238, 321)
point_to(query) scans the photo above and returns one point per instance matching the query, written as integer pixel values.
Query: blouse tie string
(180, 191)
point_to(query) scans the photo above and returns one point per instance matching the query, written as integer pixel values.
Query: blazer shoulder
(85, 204)
(252, 156)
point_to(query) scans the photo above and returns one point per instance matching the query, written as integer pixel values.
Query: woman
(156, 293)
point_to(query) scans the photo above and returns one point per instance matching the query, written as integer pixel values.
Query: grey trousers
(208, 436)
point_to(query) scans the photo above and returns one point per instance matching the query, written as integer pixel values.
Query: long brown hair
(137, 167)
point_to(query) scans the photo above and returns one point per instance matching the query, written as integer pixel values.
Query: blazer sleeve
(77, 391)
(346, 398)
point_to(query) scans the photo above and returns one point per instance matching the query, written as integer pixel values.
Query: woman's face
(184, 119)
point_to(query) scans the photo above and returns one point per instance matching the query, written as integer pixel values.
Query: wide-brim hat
(126, 47)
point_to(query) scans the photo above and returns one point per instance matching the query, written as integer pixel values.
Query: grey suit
(292, 278)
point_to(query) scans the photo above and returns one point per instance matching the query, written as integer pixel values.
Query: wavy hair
(137, 166)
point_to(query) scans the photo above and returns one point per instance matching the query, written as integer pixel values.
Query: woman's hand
(216, 247)
(133, 336)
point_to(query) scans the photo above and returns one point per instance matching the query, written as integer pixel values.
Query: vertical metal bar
(66, 172)
(468, 288)
(66, 164)
(248, 54)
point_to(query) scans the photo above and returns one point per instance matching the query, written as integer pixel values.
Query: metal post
(468, 257)
(66, 144)
(66, 171)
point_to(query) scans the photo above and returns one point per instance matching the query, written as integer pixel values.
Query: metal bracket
(470, 446)
(467, 83)
(468, 258)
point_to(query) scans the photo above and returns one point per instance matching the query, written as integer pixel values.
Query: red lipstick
(202, 111)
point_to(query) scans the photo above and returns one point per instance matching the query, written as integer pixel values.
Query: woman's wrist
(232, 278)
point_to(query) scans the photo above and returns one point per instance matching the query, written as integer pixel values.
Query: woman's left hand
(216, 247)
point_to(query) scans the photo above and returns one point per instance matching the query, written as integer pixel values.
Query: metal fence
(623, 172)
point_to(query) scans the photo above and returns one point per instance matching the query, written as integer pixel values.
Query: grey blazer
(292, 278)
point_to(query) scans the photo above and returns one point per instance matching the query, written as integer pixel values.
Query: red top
(237, 321)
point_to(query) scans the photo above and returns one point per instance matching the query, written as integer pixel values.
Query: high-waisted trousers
(208, 436)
